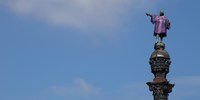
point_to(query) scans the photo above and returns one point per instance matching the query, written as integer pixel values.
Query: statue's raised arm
(148, 14)
(162, 24)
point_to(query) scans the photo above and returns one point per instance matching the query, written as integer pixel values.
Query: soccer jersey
(160, 24)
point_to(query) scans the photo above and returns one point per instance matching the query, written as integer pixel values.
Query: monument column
(160, 64)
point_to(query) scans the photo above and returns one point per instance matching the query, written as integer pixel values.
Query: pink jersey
(160, 24)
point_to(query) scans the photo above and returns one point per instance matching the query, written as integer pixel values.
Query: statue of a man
(161, 25)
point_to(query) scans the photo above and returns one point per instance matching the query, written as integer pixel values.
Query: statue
(162, 24)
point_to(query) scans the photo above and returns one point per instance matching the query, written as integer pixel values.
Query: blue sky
(94, 49)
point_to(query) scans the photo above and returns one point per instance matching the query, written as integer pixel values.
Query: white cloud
(78, 14)
(85, 87)
(80, 89)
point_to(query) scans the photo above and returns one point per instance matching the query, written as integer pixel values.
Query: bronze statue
(162, 24)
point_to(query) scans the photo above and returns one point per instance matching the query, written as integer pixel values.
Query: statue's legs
(157, 36)
(161, 39)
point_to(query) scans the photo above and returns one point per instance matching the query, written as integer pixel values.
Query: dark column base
(160, 90)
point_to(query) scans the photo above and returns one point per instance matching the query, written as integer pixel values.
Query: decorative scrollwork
(160, 65)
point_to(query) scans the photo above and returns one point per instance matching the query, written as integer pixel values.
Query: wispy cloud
(78, 14)
(80, 89)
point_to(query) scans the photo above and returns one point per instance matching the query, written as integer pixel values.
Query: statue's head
(161, 13)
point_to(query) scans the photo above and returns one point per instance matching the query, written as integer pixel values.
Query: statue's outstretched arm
(148, 14)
